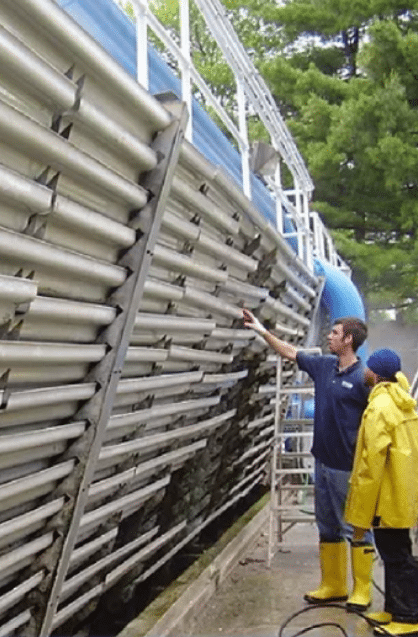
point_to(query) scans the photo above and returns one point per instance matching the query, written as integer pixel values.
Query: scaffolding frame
(289, 483)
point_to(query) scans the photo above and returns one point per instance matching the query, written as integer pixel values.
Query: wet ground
(255, 600)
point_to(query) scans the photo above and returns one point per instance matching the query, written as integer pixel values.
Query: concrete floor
(257, 601)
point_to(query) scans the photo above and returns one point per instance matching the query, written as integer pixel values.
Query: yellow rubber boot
(362, 567)
(380, 617)
(398, 628)
(333, 562)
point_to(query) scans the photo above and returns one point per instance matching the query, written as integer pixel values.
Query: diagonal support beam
(107, 373)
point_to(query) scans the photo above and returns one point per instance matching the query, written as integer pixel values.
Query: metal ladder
(290, 469)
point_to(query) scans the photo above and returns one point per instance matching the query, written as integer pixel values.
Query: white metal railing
(312, 238)
(252, 93)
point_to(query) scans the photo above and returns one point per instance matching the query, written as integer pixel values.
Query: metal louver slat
(11, 598)
(76, 581)
(172, 458)
(114, 575)
(10, 562)
(93, 518)
(31, 252)
(45, 145)
(14, 624)
(18, 62)
(29, 483)
(71, 37)
(151, 442)
(12, 528)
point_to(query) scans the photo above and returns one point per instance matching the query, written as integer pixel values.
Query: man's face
(337, 342)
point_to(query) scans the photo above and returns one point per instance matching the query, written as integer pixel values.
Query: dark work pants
(401, 574)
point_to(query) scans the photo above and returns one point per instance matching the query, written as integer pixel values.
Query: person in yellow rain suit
(383, 490)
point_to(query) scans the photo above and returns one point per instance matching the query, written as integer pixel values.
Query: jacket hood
(399, 392)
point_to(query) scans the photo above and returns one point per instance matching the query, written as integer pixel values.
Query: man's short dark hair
(355, 327)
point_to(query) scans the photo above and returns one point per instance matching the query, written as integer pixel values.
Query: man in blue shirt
(340, 399)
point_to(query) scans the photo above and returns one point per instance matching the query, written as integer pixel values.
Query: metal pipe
(186, 78)
(140, 9)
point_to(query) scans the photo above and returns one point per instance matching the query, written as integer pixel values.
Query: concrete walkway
(256, 601)
(239, 595)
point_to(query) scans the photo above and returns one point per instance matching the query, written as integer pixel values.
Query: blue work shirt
(340, 399)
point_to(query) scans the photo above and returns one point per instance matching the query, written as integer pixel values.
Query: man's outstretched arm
(286, 350)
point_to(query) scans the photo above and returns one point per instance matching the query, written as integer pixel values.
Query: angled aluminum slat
(151, 442)
(172, 458)
(14, 624)
(50, 19)
(45, 145)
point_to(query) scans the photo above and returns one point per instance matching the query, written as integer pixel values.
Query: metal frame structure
(106, 375)
(290, 470)
(252, 94)
(132, 411)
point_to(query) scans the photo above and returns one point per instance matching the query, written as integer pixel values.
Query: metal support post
(245, 151)
(186, 77)
(140, 9)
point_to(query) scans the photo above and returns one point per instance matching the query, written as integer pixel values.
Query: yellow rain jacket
(384, 481)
